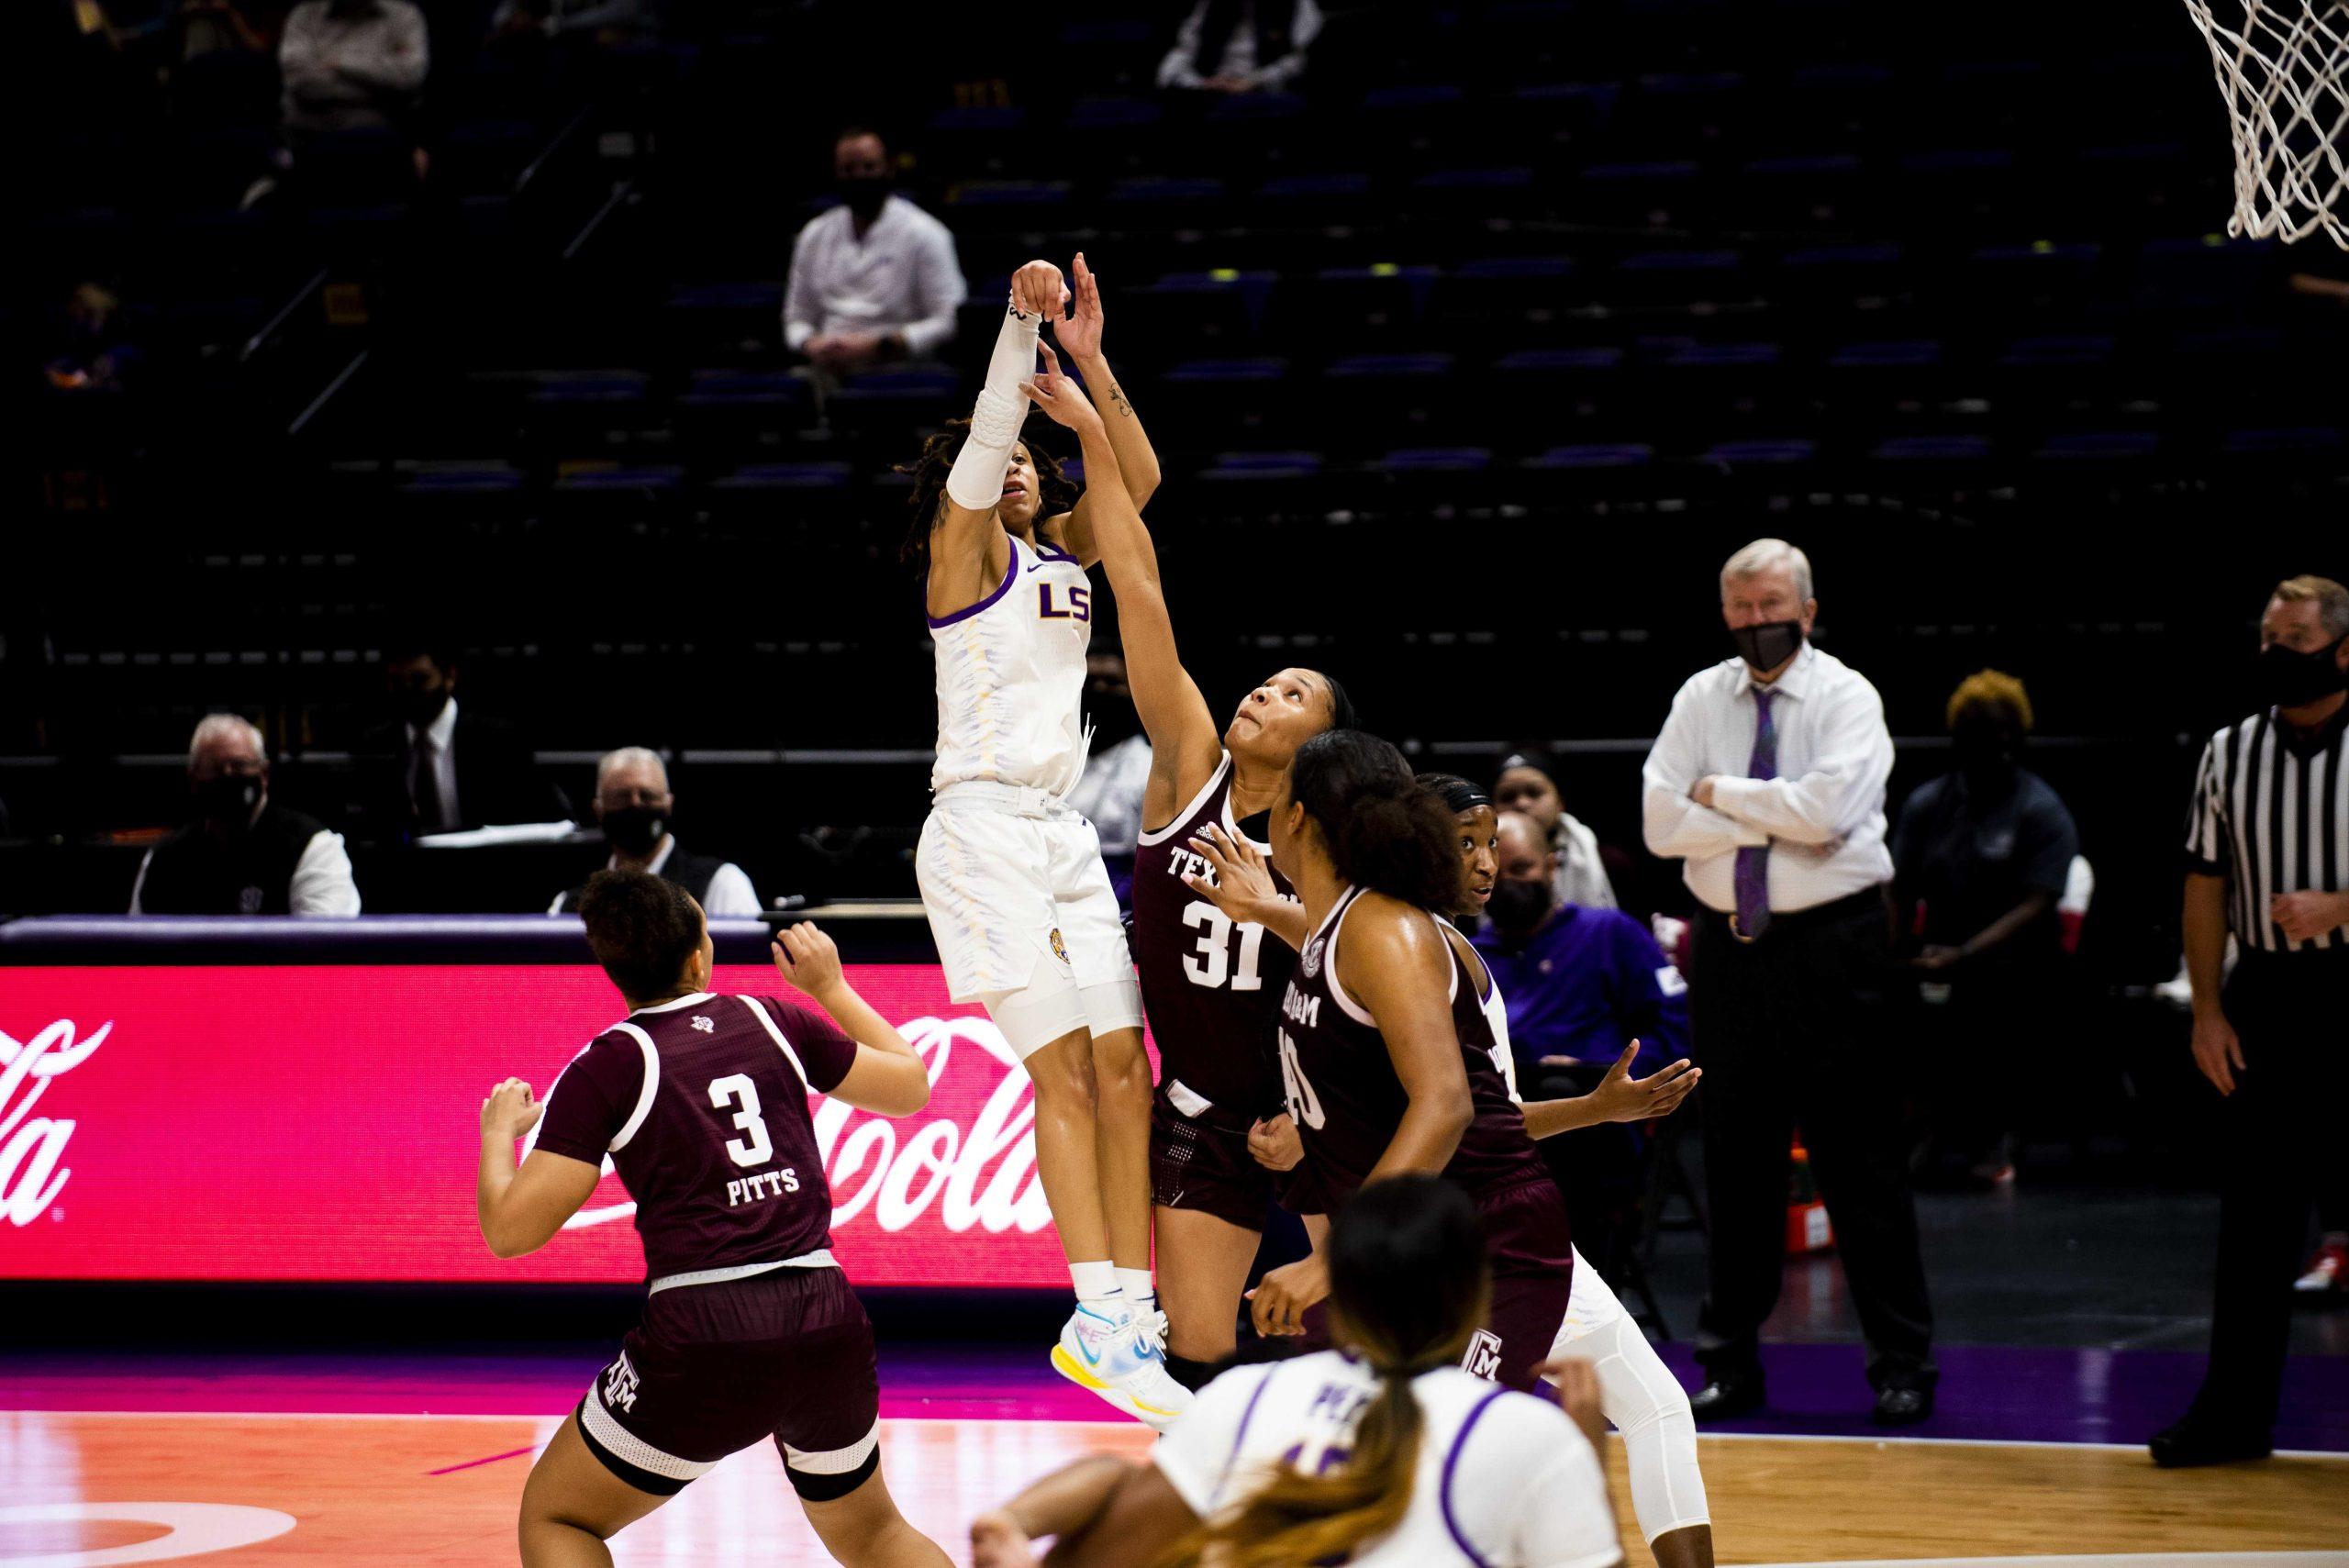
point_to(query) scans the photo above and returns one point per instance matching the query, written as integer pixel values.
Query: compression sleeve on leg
(975, 482)
(1637, 1393)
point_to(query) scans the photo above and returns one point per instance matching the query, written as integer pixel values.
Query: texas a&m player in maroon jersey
(750, 1329)
(1386, 1055)
(1208, 985)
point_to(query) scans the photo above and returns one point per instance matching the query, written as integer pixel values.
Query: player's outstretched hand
(1621, 1097)
(1063, 401)
(1037, 289)
(807, 958)
(1278, 1303)
(1578, 1384)
(1275, 1144)
(1081, 333)
(997, 1542)
(1242, 887)
(509, 1111)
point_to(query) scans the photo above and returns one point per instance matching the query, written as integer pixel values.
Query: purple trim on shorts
(1240, 1436)
(1000, 590)
(1451, 1462)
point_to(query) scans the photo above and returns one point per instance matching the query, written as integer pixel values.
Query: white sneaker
(1116, 1355)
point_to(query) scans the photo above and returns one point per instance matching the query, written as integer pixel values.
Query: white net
(2282, 65)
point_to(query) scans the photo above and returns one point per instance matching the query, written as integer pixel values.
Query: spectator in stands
(875, 278)
(1109, 794)
(635, 806)
(352, 65)
(2268, 861)
(1581, 983)
(1767, 783)
(1525, 783)
(243, 854)
(434, 770)
(1980, 858)
(1242, 46)
(92, 350)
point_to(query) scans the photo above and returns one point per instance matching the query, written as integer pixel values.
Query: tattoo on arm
(1117, 396)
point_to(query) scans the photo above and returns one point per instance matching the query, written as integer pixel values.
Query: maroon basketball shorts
(1202, 1163)
(714, 1368)
(1532, 1259)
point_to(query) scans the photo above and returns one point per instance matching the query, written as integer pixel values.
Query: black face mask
(2288, 679)
(420, 706)
(1519, 904)
(228, 802)
(635, 829)
(1987, 754)
(863, 194)
(1769, 645)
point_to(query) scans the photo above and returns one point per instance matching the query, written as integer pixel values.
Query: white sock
(1097, 1284)
(1139, 1291)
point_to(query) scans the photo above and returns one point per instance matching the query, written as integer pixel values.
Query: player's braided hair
(1057, 491)
(1408, 1283)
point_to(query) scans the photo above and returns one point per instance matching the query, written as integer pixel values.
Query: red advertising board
(322, 1122)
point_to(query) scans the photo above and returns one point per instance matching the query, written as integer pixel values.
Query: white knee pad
(1649, 1408)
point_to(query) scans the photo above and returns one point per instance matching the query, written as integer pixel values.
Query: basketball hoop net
(2281, 65)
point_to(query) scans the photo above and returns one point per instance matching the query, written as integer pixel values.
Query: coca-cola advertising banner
(322, 1123)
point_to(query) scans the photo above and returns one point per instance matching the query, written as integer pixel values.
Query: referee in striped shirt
(2269, 860)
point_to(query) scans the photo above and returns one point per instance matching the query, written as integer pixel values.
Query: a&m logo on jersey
(1060, 948)
(703, 1025)
(1311, 960)
(1484, 1357)
(619, 1384)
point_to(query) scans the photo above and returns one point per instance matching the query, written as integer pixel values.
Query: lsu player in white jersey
(1383, 1453)
(1637, 1391)
(1011, 876)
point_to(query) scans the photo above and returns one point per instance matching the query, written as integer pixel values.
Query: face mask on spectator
(420, 705)
(864, 193)
(1518, 904)
(1986, 751)
(2290, 678)
(227, 801)
(1769, 645)
(635, 829)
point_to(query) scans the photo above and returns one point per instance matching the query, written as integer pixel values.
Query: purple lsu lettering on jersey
(703, 1108)
(1210, 988)
(1340, 1086)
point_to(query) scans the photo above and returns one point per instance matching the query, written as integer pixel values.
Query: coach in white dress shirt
(1767, 781)
(875, 278)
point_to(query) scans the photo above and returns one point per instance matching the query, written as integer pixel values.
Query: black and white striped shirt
(2271, 815)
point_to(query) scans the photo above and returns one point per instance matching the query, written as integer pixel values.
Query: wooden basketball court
(84, 1490)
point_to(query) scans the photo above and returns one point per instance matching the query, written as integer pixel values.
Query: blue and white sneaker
(1121, 1358)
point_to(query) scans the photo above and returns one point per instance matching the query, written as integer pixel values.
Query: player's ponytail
(1408, 1283)
(1384, 831)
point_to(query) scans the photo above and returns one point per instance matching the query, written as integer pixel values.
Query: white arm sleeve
(975, 483)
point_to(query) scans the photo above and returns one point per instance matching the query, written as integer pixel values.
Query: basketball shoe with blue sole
(1114, 1355)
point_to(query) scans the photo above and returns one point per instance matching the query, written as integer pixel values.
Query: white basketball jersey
(1011, 677)
(1503, 1480)
(1495, 1014)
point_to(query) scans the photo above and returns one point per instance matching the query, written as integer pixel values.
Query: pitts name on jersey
(765, 1184)
(1300, 1008)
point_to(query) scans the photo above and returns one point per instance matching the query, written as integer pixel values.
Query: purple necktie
(1753, 860)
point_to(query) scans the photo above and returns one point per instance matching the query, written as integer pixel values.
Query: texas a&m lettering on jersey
(701, 1105)
(1210, 986)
